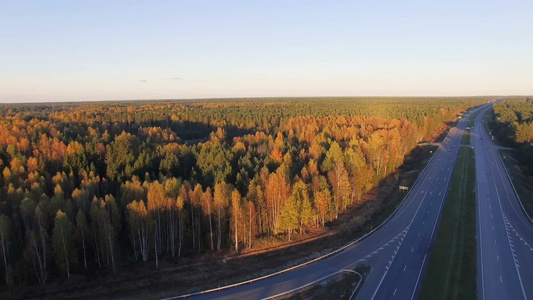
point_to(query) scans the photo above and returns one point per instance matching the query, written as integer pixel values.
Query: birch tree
(63, 242)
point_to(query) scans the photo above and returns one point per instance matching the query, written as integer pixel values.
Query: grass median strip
(452, 265)
(465, 140)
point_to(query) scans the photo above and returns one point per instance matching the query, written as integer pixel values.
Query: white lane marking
(501, 278)
(404, 267)
(394, 292)
(418, 278)
(497, 258)
(507, 193)
(412, 249)
(408, 227)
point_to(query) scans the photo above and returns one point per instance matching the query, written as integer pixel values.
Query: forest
(512, 123)
(101, 186)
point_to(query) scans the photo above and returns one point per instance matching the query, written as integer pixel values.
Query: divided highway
(504, 233)
(397, 252)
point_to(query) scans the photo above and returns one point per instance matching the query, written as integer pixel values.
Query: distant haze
(97, 50)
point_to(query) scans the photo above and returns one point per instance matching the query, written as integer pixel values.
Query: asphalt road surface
(504, 233)
(397, 252)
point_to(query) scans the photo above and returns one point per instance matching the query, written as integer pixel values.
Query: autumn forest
(104, 185)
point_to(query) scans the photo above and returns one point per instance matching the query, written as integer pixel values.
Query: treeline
(99, 186)
(512, 122)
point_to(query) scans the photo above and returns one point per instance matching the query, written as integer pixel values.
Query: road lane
(505, 234)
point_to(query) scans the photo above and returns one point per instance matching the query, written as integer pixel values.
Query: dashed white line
(394, 294)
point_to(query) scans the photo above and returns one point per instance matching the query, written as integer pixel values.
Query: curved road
(396, 252)
(504, 233)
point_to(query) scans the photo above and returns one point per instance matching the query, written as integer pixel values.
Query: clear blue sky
(110, 50)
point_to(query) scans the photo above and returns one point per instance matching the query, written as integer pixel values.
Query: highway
(504, 233)
(397, 252)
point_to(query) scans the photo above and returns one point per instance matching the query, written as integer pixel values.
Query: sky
(120, 50)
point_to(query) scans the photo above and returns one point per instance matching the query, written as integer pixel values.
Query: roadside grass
(465, 140)
(522, 182)
(452, 265)
(472, 119)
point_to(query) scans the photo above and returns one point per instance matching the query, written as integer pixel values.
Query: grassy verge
(467, 133)
(452, 264)
(465, 140)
